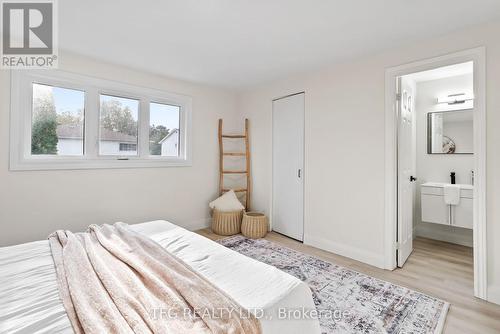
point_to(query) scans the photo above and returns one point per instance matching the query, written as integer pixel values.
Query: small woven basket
(254, 225)
(226, 223)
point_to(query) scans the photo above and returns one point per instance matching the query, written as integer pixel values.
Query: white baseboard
(354, 253)
(494, 294)
(197, 224)
(454, 235)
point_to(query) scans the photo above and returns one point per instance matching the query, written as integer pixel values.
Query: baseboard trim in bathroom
(454, 235)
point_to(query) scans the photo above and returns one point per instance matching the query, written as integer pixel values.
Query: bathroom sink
(442, 184)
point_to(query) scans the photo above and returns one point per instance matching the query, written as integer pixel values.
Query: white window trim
(20, 123)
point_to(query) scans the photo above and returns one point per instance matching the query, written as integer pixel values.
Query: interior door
(288, 166)
(406, 168)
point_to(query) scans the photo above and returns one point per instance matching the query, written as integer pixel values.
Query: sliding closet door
(288, 166)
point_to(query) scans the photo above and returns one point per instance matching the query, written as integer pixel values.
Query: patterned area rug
(371, 305)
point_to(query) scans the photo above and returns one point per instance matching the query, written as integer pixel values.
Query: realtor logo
(28, 35)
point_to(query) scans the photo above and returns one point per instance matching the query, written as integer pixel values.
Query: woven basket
(226, 223)
(254, 225)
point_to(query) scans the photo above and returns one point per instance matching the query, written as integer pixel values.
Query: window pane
(118, 125)
(57, 122)
(164, 130)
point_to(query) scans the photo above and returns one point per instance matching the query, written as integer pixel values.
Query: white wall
(437, 167)
(169, 148)
(33, 204)
(344, 146)
(67, 146)
(108, 147)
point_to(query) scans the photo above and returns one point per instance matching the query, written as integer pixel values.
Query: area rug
(371, 305)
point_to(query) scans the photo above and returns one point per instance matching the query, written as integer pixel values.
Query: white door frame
(478, 56)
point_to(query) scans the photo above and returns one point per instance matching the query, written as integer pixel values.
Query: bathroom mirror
(450, 132)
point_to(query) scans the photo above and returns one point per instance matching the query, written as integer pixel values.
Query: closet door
(288, 166)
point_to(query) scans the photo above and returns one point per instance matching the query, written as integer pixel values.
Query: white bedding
(29, 300)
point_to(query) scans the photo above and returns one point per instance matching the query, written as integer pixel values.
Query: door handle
(299, 173)
(413, 178)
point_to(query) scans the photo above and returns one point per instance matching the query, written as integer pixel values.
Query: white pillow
(227, 202)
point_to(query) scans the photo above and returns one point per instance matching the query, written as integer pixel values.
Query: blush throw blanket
(114, 280)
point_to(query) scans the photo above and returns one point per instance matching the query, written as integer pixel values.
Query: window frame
(21, 118)
(28, 126)
(139, 108)
(181, 121)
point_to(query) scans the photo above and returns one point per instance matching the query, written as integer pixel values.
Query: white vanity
(435, 210)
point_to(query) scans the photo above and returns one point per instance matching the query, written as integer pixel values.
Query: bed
(30, 303)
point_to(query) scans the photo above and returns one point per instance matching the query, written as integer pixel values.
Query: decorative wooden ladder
(245, 154)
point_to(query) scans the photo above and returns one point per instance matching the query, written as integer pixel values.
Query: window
(164, 131)
(118, 125)
(57, 121)
(124, 147)
(61, 120)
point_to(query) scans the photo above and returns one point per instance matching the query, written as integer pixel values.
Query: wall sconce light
(455, 99)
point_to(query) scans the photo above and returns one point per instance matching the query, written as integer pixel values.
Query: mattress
(29, 299)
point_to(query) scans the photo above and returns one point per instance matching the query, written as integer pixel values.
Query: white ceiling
(237, 43)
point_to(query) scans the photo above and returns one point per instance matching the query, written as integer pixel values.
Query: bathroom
(436, 159)
(444, 107)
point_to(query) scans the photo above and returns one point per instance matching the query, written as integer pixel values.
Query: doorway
(288, 166)
(415, 196)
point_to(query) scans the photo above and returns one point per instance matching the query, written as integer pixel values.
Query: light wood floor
(435, 268)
